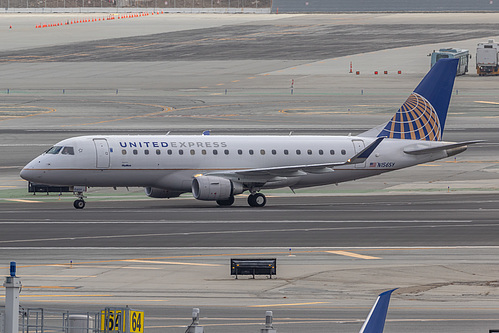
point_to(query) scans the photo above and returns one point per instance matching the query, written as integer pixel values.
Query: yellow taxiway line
(289, 304)
(22, 200)
(354, 255)
(171, 263)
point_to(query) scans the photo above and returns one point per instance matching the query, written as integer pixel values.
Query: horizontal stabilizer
(421, 148)
(375, 321)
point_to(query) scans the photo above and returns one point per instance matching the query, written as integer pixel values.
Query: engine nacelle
(154, 192)
(215, 188)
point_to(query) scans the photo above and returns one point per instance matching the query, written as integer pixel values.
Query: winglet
(375, 321)
(363, 155)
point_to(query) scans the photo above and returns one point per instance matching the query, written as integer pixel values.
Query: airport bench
(253, 267)
(39, 188)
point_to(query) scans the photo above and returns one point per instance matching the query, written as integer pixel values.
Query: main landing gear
(254, 200)
(257, 200)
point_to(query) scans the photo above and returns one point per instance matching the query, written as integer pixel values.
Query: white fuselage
(171, 162)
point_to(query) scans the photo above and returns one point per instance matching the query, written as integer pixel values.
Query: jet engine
(154, 192)
(215, 188)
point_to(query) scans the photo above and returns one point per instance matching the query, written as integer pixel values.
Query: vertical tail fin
(375, 321)
(422, 116)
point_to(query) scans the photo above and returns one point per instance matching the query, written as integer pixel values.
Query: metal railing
(39, 320)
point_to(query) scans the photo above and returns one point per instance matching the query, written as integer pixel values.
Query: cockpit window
(68, 151)
(54, 150)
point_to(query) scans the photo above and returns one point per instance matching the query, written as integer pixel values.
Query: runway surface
(430, 230)
(373, 221)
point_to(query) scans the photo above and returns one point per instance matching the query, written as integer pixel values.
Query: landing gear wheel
(79, 204)
(257, 200)
(226, 202)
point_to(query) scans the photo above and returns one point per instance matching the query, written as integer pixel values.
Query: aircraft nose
(26, 174)
(29, 174)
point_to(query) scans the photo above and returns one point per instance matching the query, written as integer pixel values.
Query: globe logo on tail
(415, 120)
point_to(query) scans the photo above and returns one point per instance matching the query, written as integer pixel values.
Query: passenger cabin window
(226, 152)
(181, 152)
(158, 152)
(203, 151)
(331, 152)
(68, 151)
(298, 152)
(146, 151)
(286, 152)
(274, 152)
(239, 151)
(343, 152)
(169, 151)
(135, 151)
(54, 150)
(321, 152)
(262, 151)
(309, 151)
(123, 151)
(215, 152)
(193, 152)
(251, 152)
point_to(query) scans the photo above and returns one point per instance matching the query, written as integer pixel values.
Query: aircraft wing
(423, 148)
(268, 173)
(375, 321)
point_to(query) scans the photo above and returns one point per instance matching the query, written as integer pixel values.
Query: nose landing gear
(78, 192)
(79, 203)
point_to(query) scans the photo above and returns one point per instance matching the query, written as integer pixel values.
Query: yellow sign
(136, 321)
(113, 321)
(116, 322)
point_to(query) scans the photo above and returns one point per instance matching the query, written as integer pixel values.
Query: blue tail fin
(422, 116)
(375, 322)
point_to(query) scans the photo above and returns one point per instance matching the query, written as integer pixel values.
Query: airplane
(216, 168)
(375, 321)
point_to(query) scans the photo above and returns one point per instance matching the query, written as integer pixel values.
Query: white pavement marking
(266, 231)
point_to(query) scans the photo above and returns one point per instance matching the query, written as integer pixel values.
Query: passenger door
(102, 153)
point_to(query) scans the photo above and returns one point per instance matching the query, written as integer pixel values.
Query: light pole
(12, 286)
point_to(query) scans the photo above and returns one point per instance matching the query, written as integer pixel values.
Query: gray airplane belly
(173, 180)
(178, 180)
(102, 177)
(337, 176)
